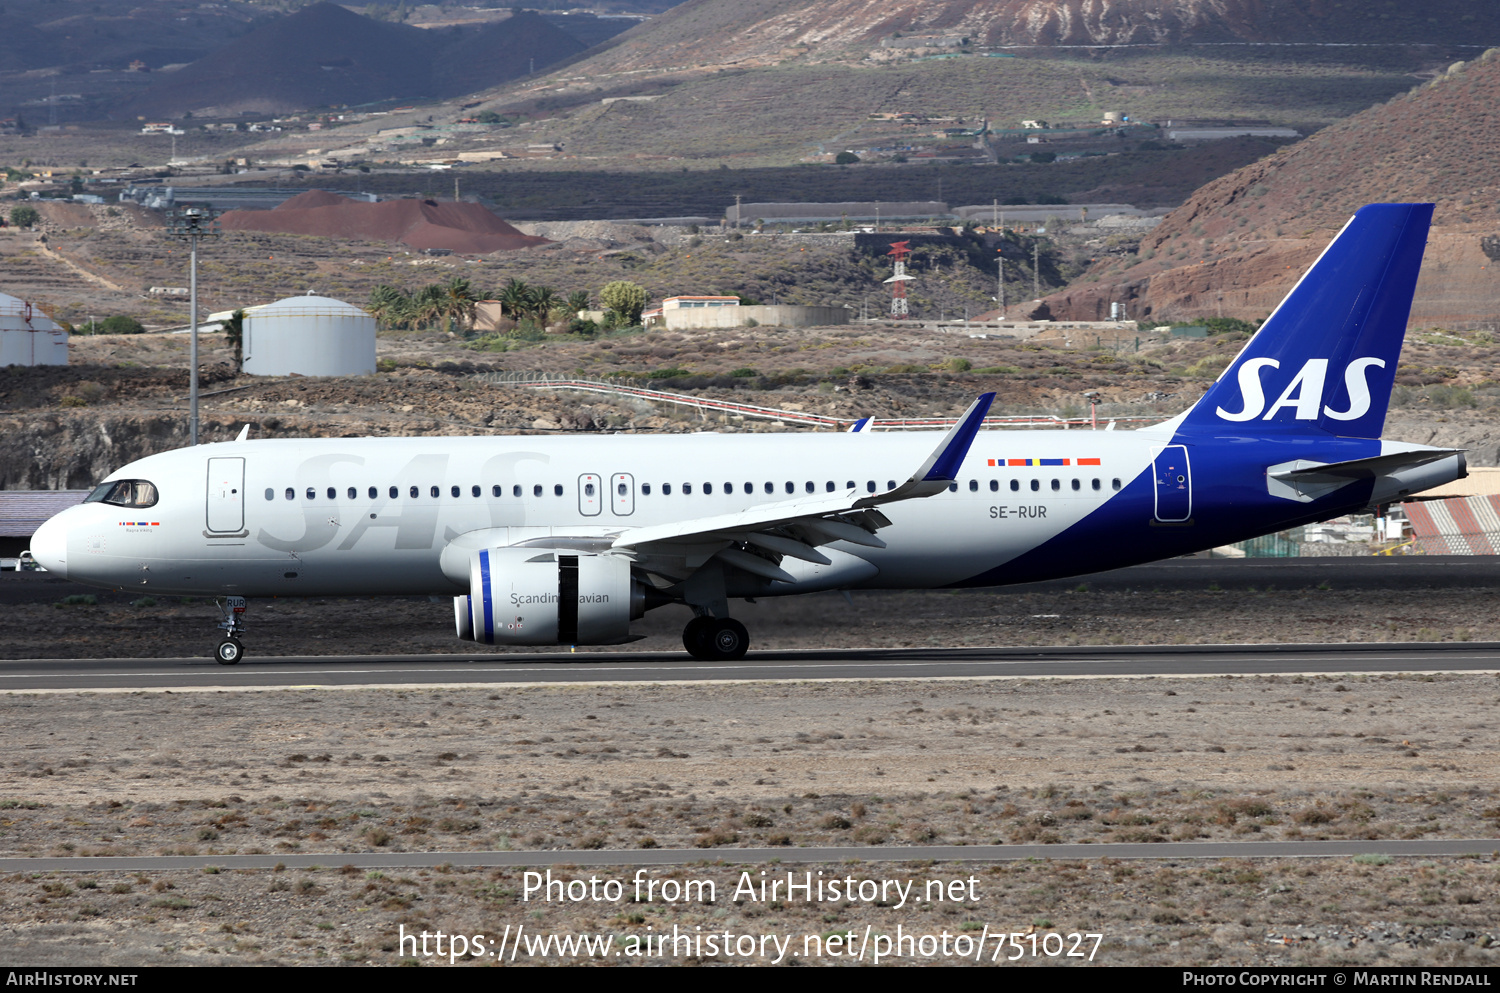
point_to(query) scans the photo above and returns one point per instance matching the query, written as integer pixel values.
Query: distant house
(672, 303)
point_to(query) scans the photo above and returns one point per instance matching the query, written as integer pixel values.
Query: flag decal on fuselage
(1024, 463)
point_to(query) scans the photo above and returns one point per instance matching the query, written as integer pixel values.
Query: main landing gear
(230, 651)
(715, 639)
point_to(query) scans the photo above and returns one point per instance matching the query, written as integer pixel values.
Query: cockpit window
(125, 493)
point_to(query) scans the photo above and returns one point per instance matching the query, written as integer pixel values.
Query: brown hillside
(1240, 242)
(724, 32)
(459, 227)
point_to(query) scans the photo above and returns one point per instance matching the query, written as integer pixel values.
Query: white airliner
(565, 541)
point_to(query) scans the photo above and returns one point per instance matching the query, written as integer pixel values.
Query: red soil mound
(459, 227)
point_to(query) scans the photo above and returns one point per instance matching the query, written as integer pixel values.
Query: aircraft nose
(49, 546)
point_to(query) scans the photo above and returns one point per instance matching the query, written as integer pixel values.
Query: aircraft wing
(796, 527)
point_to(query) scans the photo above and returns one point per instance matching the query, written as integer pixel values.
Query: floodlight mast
(189, 224)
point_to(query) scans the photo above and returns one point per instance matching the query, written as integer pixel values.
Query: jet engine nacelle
(533, 596)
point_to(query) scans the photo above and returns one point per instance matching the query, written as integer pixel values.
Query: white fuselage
(372, 516)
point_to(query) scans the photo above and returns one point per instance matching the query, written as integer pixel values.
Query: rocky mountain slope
(1240, 242)
(739, 32)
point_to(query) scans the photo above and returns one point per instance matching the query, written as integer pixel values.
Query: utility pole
(189, 224)
(1000, 279)
(1036, 270)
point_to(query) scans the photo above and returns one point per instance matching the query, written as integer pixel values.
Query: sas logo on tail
(1304, 394)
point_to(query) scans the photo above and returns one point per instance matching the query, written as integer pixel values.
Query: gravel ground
(722, 766)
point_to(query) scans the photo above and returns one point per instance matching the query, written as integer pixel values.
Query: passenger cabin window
(1015, 485)
(291, 494)
(1077, 485)
(474, 491)
(312, 494)
(536, 490)
(645, 489)
(270, 494)
(333, 494)
(770, 487)
(588, 489)
(495, 490)
(1115, 483)
(415, 492)
(973, 486)
(622, 489)
(708, 489)
(994, 486)
(454, 491)
(1096, 484)
(353, 493)
(749, 488)
(1036, 484)
(515, 490)
(1056, 485)
(394, 492)
(374, 493)
(433, 490)
(666, 489)
(729, 489)
(791, 487)
(870, 486)
(953, 487)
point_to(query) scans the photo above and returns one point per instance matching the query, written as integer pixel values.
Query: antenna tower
(899, 251)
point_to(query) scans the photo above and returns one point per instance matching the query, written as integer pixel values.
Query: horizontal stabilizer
(1305, 481)
(1377, 465)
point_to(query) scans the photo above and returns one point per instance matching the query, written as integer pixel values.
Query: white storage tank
(28, 336)
(309, 336)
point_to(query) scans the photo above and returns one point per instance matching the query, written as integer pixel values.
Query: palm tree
(390, 306)
(543, 299)
(461, 302)
(514, 298)
(578, 300)
(430, 304)
(234, 334)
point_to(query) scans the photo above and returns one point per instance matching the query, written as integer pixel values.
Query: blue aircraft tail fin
(1325, 360)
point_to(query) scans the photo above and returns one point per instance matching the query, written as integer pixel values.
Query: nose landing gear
(229, 650)
(715, 639)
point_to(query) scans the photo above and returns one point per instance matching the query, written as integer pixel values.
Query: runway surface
(732, 856)
(1428, 572)
(602, 666)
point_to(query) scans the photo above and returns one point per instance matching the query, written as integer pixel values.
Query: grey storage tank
(309, 336)
(28, 336)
